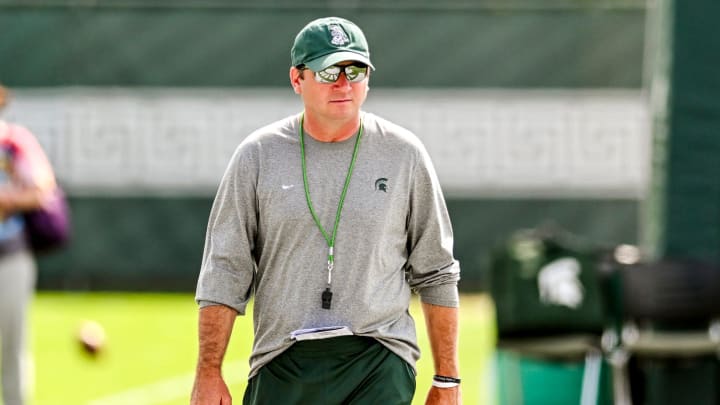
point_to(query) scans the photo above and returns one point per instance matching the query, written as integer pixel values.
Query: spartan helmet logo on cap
(339, 37)
(381, 184)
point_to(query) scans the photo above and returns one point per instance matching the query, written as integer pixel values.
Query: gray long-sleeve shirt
(394, 237)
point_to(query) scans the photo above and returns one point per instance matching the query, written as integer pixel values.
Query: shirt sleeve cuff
(206, 303)
(445, 295)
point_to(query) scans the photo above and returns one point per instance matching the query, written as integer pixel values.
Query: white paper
(320, 333)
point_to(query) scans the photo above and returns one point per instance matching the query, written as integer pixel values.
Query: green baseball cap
(327, 41)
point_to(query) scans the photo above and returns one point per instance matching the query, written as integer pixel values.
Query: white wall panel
(485, 143)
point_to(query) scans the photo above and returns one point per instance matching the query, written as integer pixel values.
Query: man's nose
(342, 80)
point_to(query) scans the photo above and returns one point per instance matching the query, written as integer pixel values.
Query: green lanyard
(327, 294)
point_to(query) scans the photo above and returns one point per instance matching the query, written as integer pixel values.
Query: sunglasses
(354, 73)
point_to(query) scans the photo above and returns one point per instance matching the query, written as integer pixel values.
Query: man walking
(330, 219)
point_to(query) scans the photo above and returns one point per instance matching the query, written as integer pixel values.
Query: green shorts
(340, 370)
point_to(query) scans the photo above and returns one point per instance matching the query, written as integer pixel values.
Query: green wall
(683, 217)
(521, 44)
(156, 243)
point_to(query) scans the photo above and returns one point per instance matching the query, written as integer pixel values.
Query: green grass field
(152, 346)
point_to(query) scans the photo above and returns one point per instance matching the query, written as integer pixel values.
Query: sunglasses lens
(355, 73)
(328, 75)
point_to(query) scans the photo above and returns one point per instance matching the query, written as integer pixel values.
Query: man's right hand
(210, 389)
(214, 328)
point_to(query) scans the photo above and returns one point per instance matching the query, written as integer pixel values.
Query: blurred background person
(26, 181)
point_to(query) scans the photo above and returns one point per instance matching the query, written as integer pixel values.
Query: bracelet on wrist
(444, 378)
(439, 384)
(442, 381)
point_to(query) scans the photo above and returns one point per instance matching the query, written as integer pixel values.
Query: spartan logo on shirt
(339, 37)
(381, 184)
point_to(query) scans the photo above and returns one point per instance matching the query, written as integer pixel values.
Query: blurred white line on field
(170, 389)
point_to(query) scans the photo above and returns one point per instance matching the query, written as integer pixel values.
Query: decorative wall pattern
(484, 143)
(531, 143)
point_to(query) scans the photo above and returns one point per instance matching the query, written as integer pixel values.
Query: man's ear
(295, 79)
